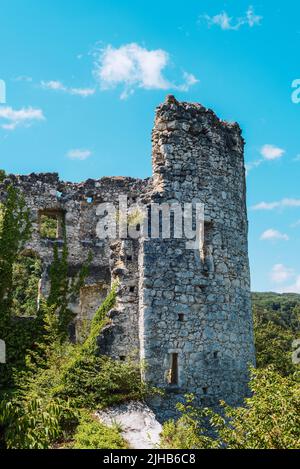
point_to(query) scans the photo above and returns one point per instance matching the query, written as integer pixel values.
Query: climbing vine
(14, 232)
(63, 289)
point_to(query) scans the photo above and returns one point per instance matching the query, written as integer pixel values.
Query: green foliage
(34, 423)
(63, 290)
(276, 326)
(270, 419)
(48, 226)
(282, 309)
(189, 431)
(26, 275)
(14, 232)
(2, 175)
(97, 382)
(91, 434)
(66, 378)
(273, 345)
(100, 319)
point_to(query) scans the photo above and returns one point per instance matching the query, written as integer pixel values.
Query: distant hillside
(276, 326)
(282, 309)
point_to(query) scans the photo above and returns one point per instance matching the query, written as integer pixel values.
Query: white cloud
(223, 20)
(133, 66)
(271, 234)
(296, 224)
(252, 18)
(293, 288)
(25, 78)
(23, 117)
(226, 22)
(252, 165)
(284, 203)
(84, 92)
(271, 152)
(56, 85)
(53, 85)
(280, 273)
(190, 80)
(79, 154)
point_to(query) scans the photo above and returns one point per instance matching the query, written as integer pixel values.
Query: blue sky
(83, 78)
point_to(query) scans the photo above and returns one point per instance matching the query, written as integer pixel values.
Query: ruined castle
(185, 314)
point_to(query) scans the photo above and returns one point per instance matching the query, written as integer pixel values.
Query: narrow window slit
(174, 369)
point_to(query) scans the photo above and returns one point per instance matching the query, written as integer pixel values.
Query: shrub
(34, 424)
(92, 434)
(270, 419)
(97, 382)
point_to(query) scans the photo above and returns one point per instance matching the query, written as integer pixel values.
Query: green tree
(269, 419)
(14, 233)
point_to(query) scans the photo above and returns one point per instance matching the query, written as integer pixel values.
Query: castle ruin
(185, 314)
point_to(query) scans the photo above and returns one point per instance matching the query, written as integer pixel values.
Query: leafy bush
(276, 326)
(34, 424)
(97, 382)
(48, 226)
(26, 275)
(92, 434)
(90, 346)
(61, 379)
(270, 419)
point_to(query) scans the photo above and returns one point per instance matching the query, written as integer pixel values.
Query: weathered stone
(176, 307)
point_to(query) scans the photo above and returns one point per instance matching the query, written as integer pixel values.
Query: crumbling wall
(75, 205)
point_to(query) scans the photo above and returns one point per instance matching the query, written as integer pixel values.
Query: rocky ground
(139, 425)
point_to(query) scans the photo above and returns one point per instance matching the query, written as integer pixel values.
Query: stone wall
(186, 314)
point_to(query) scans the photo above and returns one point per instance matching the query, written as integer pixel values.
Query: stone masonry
(184, 314)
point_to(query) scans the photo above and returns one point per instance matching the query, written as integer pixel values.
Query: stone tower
(196, 307)
(185, 314)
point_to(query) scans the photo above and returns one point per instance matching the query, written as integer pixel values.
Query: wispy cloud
(252, 18)
(297, 158)
(271, 152)
(296, 224)
(132, 66)
(273, 235)
(24, 78)
(56, 85)
(79, 154)
(252, 165)
(268, 152)
(284, 203)
(22, 117)
(293, 288)
(227, 23)
(280, 273)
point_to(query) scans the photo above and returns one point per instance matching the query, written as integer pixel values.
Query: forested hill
(282, 309)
